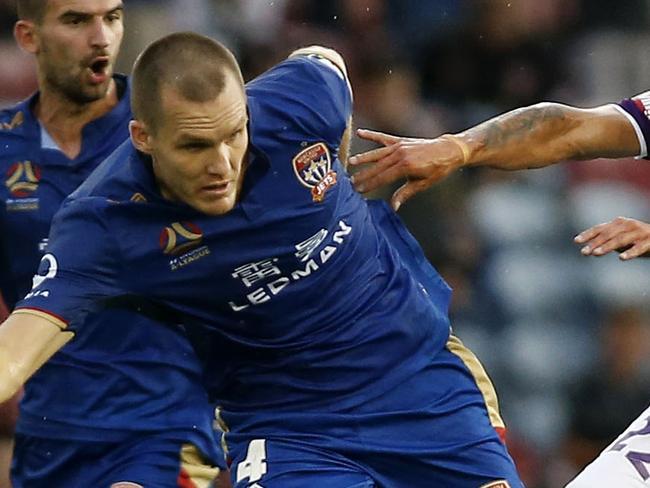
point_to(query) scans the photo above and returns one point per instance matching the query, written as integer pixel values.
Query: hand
(422, 162)
(628, 236)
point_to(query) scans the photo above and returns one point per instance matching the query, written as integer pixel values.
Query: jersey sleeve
(78, 272)
(316, 92)
(637, 110)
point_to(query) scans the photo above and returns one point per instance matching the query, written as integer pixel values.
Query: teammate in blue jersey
(533, 137)
(327, 343)
(123, 401)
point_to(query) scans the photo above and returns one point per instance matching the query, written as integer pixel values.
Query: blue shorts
(441, 429)
(159, 460)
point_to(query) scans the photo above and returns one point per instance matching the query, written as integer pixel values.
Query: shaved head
(33, 10)
(193, 66)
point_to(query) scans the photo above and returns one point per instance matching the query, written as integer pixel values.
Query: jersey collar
(93, 134)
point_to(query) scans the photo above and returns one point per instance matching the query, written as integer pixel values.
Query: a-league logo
(180, 237)
(497, 484)
(22, 179)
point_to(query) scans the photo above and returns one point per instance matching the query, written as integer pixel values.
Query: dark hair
(193, 65)
(33, 10)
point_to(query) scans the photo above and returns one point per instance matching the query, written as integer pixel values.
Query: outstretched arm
(27, 341)
(530, 137)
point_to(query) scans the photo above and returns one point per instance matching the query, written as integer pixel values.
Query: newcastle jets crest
(313, 167)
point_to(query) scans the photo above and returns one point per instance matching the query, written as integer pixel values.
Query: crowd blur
(565, 337)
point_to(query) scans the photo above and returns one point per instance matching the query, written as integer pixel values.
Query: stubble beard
(73, 88)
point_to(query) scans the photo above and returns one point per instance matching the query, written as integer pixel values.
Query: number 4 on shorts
(254, 466)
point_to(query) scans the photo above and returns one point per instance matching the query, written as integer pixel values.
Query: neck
(64, 119)
(164, 190)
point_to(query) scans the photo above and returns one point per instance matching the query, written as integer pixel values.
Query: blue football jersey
(309, 292)
(122, 373)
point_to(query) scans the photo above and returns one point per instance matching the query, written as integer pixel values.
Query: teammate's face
(199, 148)
(76, 45)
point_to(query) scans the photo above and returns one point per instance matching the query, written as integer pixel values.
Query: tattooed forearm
(518, 124)
(529, 137)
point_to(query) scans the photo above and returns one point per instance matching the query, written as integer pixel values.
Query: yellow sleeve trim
(44, 315)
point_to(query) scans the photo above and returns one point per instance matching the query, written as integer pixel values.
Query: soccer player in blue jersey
(123, 401)
(533, 137)
(330, 351)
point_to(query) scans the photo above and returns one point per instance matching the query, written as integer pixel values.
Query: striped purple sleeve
(638, 110)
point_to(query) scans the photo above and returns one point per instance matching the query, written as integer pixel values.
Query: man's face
(77, 43)
(198, 148)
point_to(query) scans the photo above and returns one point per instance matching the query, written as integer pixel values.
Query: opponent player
(533, 137)
(123, 401)
(340, 370)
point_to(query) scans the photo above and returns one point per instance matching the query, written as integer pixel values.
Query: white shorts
(623, 464)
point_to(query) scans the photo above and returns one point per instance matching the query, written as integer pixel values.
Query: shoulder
(14, 121)
(81, 219)
(298, 72)
(13, 118)
(305, 93)
(110, 176)
(17, 139)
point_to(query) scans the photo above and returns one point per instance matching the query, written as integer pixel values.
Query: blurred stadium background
(565, 338)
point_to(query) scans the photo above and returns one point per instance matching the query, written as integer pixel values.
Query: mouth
(99, 70)
(218, 190)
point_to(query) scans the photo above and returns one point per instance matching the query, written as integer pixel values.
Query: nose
(218, 163)
(101, 34)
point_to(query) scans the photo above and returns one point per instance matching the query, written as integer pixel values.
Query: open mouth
(99, 70)
(99, 66)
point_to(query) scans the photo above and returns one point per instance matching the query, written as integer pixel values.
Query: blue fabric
(122, 373)
(321, 323)
(151, 461)
(432, 431)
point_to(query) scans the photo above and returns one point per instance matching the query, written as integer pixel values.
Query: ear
(140, 136)
(26, 36)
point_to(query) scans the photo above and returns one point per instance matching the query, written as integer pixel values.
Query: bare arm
(546, 133)
(27, 341)
(530, 137)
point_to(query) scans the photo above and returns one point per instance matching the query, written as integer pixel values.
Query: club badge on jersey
(313, 167)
